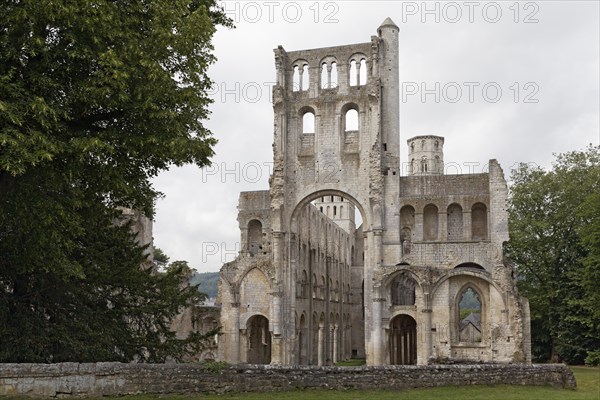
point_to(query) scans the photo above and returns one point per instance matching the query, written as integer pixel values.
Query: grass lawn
(588, 388)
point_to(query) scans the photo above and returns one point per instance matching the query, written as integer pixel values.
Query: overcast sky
(515, 81)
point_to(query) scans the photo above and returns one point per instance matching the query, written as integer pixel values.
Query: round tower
(426, 155)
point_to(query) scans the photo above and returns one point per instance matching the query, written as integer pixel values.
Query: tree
(161, 260)
(97, 97)
(554, 229)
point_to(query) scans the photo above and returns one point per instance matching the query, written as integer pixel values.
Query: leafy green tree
(553, 222)
(96, 98)
(160, 258)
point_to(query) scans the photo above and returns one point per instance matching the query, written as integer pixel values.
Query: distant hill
(208, 282)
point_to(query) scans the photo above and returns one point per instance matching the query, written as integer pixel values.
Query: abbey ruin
(344, 256)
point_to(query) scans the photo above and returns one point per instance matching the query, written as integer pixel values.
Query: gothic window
(479, 222)
(403, 291)
(308, 122)
(351, 120)
(430, 222)
(469, 316)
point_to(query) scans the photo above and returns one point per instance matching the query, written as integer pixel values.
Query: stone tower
(426, 155)
(360, 165)
(311, 288)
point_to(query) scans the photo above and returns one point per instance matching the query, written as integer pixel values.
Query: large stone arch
(307, 198)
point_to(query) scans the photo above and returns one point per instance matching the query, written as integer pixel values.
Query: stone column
(289, 302)
(234, 351)
(378, 344)
(335, 344)
(320, 347)
(376, 327)
(277, 349)
(426, 334)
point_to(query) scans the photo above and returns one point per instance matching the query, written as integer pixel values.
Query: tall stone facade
(418, 279)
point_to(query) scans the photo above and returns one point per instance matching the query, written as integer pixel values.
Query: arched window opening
(305, 78)
(254, 237)
(334, 76)
(403, 291)
(455, 222)
(363, 72)
(479, 222)
(334, 211)
(332, 199)
(424, 164)
(469, 316)
(341, 211)
(314, 287)
(324, 77)
(308, 122)
(430, 222)
(436, 145)
(351, 120)
(296, 79)
(353, 73)
(422, 144)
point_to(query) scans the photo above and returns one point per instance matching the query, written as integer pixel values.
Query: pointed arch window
(403, 291)
(469, 316)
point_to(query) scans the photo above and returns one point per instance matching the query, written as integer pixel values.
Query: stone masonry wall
(110, 379)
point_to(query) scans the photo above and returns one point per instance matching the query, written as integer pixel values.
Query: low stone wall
(102, 379)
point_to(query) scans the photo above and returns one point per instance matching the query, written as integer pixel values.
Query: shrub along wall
(101, 379)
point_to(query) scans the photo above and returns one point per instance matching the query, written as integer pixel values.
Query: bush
(593, 358)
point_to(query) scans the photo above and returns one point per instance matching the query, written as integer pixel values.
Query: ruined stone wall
(113, 379)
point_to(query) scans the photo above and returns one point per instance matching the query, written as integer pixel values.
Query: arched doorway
(403, 340)
(259, 340)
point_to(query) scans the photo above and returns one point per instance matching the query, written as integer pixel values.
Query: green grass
(354, 362)
(588, 388)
